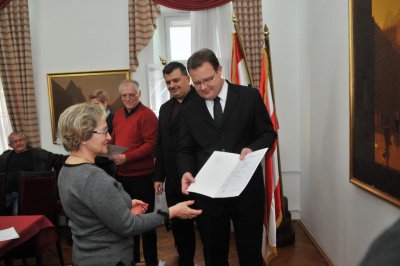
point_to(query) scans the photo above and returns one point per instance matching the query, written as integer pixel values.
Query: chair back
(37, 195)
(2, 193)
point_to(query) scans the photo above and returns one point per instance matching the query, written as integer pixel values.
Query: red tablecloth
(26, 226)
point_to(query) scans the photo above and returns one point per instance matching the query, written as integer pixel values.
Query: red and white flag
(238, 65)
(273, 213)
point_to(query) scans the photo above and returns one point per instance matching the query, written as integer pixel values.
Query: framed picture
(66, 89)
(375, 97)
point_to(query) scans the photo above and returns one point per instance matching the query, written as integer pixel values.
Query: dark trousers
(142, 188)
(183, 232)
(248, 226)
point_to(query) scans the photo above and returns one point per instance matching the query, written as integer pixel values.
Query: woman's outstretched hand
(183, 211)
(138, 207)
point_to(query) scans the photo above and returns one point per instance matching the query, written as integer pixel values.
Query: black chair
(2, 193)
(37, 196)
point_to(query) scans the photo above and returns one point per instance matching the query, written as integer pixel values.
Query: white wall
(281, 20)
(75, 36)
(343, 218)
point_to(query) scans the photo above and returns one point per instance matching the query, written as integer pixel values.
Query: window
(5, 124)
(178, 31)
(158, 91)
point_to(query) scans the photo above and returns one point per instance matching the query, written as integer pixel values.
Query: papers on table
(225, 175)
(113, 150)
(7, 234)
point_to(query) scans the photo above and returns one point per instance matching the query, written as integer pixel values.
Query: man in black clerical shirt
(22, 158)
(178, 83)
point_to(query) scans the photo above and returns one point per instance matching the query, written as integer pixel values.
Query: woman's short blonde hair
(77, 122)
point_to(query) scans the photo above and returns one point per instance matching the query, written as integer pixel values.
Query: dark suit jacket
(109, 121)
(168, 136)
(42, 160)
(246, 123)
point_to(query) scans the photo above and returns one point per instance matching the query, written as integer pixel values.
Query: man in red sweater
(135, 126)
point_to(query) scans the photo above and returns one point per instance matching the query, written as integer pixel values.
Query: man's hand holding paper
(225, 174)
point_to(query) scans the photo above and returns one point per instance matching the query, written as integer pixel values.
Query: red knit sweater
(139, 133)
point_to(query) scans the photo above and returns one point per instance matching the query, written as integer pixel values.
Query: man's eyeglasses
(205, 81)
(130, 95)
(17, 140)
(104, 132)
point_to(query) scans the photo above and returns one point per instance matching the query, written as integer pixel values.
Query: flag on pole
(238, 65)
(273, 213)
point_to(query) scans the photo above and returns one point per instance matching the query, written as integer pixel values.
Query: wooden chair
(37, 195)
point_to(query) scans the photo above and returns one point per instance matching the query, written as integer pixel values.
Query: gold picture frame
(375, 97)
(66, 89)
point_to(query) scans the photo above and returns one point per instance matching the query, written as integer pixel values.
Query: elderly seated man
(20, 158)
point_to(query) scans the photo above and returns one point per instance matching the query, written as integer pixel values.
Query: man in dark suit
(228, 118)
(178, 84)
(23, 158)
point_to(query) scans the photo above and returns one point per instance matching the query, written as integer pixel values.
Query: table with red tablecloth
(36, 233)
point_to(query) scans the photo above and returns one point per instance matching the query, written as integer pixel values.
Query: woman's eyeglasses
(104, 132)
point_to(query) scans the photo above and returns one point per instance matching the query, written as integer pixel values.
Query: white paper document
(113, 150)
(7, 234)
(225, 175)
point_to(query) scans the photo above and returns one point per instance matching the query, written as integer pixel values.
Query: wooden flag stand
(285, 235)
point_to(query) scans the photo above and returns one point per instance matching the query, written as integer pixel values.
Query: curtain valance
(191, 5)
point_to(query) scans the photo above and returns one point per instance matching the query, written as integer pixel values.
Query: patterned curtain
(16, 69)
(249, 14)
(142, 23)
(3, 3)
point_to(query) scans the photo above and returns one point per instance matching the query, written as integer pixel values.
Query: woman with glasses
(102, 216)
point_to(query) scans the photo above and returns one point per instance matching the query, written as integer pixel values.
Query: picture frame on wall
(66, 89)
(375, 97)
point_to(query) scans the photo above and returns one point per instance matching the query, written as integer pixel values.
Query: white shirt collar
(223, 95)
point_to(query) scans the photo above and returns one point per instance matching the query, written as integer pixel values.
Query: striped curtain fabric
(3, 3)
(249, 14)
(142, 23)
(16, 69)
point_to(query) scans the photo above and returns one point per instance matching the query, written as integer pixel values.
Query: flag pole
(271, 83)
(285, 234)
(236, 24)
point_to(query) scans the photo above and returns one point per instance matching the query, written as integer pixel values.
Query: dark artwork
(375, 106)
(72, 88)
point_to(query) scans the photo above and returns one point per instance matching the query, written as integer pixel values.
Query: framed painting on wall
(375, 97)
(66, 89)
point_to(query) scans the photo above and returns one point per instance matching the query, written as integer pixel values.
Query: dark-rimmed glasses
(205, 81)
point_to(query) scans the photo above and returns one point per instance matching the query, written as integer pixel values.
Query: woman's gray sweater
(99, 215)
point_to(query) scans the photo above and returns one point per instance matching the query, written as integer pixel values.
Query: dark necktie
(218, 111)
